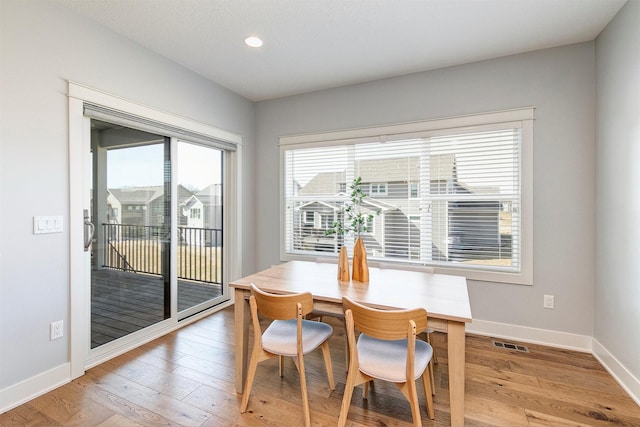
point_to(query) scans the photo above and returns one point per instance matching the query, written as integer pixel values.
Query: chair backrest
(281, 307)
(384, 324)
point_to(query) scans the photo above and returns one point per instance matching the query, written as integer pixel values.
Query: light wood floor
(187, 379)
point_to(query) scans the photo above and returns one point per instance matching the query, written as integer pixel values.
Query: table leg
(456, 338)
(241, 314)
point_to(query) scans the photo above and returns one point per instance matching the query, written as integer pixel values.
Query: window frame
(518, 118)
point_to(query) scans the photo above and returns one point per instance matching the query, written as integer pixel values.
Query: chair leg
(346, 398)
(429, 395)
(281, 365)
(434, 360)
(412, 395)
(434, 357)
(432, 377)
(303, 389)
(327, 362)
(251, 373)
(346, 346)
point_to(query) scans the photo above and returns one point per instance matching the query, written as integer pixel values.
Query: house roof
(324, 183)
(189, 203)
(211, 195)
(145, 195)
(137, 195)
(397, 169)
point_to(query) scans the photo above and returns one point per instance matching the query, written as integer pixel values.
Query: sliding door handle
(88, 226)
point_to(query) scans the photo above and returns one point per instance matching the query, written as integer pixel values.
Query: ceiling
(318, 44)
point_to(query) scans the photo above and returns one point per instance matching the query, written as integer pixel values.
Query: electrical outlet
(57, 330)
(548, 301)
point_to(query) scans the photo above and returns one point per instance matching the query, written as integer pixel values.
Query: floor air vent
(509, 346)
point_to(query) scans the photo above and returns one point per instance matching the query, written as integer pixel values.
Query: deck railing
(142, 249)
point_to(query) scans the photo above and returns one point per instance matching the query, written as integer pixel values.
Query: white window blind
(451, 198)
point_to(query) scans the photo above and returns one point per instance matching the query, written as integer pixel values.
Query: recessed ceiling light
(253, 41)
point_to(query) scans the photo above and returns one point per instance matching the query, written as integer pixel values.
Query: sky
(142, 166)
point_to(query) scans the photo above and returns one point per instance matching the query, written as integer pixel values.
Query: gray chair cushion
(387, 359)
(280, 336)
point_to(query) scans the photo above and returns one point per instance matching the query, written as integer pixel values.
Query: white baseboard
(24, 391)
(626, 379)
(557, 339)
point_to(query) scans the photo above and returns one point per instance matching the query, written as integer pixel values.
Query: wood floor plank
(598, 400)
(175, 386)
(120, 405)
(170, 408)
(66, 407)
(536, 399)
(540, 419)
(494, 412)
(118, 420)
(27, 416)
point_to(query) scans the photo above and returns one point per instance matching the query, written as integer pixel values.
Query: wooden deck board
(123, 302)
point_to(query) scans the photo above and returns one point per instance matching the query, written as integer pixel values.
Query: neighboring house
(202, 216)
(211, 198)
(114, 214)
(135, 205)
(145, 207)
(192, 215)
(393, 188)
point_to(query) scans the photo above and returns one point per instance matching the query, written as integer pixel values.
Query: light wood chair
(387, 349)
(426, 335)
(289, 334)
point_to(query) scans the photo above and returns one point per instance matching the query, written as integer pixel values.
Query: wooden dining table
(445, 298)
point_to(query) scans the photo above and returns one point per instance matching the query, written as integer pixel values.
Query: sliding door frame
(79, 175)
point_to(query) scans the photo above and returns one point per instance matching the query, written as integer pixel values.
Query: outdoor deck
(123, 302)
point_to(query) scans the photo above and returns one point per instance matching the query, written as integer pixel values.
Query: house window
(414, 190)
(376, 190)
(309, 217)
(457, 192)
(194, 213)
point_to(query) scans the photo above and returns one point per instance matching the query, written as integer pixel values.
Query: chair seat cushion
(387, 359)
(280, 336)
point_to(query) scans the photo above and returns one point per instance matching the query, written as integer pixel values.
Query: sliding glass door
(200, 227)
(132, 248)
(130, 204)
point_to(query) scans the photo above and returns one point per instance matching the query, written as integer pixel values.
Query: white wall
(617, 284)
(560, 84)
(42, 46)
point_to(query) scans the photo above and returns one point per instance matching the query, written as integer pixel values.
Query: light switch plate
(548, 301)
(47, 224)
